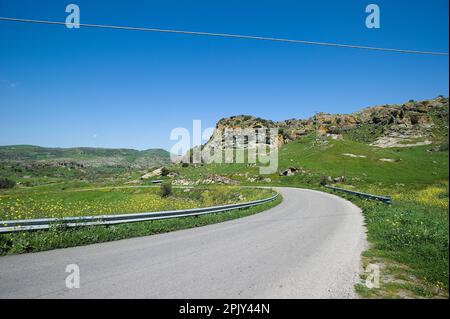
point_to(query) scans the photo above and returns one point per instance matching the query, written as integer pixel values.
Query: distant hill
(84, 156)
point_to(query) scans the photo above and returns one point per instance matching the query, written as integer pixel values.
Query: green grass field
(410, 243)
(408, 239)
(415, 166)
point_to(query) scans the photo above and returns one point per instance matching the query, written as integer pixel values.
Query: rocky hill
(397, 125)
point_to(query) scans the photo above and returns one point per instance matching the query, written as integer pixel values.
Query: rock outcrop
(396, 125)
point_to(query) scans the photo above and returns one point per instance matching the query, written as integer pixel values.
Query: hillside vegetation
(30, 152)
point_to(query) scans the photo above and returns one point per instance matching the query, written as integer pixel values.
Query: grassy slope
(413, 166)
(410, 238)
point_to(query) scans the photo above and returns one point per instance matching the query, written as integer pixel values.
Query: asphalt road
(309, 246)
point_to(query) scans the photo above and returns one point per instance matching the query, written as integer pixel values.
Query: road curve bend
(309, 246)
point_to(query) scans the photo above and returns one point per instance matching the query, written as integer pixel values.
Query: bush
(166, 190)
(164, 171)
(185, 165)
(325, 180)
(6, 183)
(414, 119)
(260, 178)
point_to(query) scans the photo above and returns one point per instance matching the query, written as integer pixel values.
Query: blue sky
(111, 88)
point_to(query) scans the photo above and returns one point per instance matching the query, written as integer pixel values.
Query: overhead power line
(225, 35)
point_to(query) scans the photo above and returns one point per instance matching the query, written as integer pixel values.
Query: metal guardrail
(10, 226)
(384, 199)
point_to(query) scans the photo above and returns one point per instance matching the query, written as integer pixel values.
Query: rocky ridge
(398, 125)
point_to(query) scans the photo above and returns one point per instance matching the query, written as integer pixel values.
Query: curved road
(309, 246)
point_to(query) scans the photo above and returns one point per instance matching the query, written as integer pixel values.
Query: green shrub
(166, 190)
(325, 180)
(164, 171)
(7, 183)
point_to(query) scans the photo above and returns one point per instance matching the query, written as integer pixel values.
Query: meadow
(111, 200)
(410, 243)
(409, 239)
